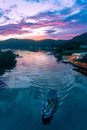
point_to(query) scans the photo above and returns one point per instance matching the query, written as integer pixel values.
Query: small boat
(65, 61)
(2, 84)
(49, 108)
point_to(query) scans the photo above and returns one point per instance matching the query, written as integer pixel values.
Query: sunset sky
(42, 19)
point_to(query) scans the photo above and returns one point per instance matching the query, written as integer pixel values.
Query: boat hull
(49, 108)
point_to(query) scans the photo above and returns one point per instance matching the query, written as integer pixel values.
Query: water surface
(36, 77)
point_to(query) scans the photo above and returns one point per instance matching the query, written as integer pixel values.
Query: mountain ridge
(42, 44)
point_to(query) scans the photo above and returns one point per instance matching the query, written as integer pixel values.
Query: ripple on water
(36, 77)
(40, 70)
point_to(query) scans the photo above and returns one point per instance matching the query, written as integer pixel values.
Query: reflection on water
(47, 120)
(36, 77)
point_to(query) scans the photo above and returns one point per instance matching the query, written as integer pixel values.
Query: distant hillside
(47, 44)
(81, 38)
(28, 44)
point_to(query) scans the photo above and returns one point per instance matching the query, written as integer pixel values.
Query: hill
(81, 38)
(47, 44)
(32, 45)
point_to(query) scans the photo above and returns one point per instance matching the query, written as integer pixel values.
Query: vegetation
(58, 47)
(7, 61)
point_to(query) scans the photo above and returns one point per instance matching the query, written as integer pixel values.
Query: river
(37, 76)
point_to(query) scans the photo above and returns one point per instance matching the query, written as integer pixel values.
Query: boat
(49, 108)
(2, 84)
(65, 61)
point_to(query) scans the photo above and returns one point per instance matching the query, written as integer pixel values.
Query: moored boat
(2, 84)
(65, 61)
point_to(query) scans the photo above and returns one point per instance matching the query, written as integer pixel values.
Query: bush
(7, 61)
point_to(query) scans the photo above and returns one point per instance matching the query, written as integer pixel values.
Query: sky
(42, 19)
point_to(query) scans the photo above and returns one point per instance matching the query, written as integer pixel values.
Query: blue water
(36, 77)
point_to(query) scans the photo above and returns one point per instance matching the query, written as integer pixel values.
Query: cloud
(25, 8)
(1, 12)
(51, 31)
(43, 19)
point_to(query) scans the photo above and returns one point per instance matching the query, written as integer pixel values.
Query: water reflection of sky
(36, 77)
(41, 70)
(33, 67)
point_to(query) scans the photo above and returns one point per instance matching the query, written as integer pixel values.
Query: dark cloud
(12, 29)
(46, 14)
(13, 6)
(50, 31)
(6, 18)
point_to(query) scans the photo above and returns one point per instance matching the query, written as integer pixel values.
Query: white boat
(65, 61)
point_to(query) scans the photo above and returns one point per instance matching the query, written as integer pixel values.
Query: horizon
(42, 39)
(38, 19)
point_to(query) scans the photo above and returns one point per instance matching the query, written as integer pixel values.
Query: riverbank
(78, 60)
